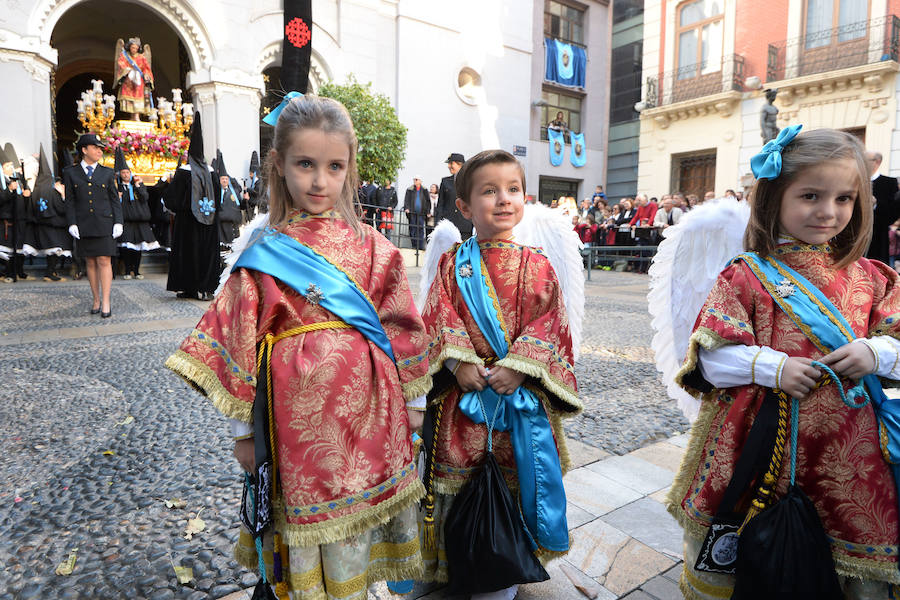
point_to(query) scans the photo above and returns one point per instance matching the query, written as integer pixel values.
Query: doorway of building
(87, 51)
(551, 188)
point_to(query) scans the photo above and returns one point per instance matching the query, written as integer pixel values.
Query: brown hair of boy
(465, 176)
(806, 150)
(330, 116)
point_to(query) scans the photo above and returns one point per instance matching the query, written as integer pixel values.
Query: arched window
(699, 37)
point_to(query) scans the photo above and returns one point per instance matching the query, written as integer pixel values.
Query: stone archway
(86, 52)
(177, 13)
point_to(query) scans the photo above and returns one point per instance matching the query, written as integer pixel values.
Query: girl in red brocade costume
(815, 216)
(491, 187)
(348, 490)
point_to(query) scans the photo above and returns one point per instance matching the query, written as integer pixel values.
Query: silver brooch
(785, 288)
(465, 271)
(314, 294)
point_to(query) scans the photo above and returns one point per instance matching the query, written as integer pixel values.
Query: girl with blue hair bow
(802, 298)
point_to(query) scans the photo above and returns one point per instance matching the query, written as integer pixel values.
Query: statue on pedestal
(134, 78)
(768, 116)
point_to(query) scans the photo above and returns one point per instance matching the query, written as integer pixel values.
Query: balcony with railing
(853, 45)
(691, 82)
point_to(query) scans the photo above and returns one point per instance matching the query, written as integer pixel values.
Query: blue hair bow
(272, 117)
(767, 163)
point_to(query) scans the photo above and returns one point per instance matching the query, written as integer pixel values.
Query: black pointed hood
(195, 150)
(220, 165)
(121, 163)
(254, 163)
(11, 154)
(3, 157)
(45, 175)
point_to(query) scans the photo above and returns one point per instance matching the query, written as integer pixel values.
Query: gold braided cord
(429, 536)
(311, 327)
(766, 487)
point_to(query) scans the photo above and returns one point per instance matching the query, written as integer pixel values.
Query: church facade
(462, 76)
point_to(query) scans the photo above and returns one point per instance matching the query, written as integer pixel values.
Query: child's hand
(416, 418)
(505, 381)
(798, 376)
(245, 453)
(853, 360)
(471, 377)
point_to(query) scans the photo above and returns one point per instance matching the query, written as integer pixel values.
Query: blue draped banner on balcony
(557, 146)
(565, 63)
(578, 152)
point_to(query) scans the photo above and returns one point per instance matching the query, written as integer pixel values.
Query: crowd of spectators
(637, 221)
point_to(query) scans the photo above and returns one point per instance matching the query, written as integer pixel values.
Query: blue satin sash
(825, 326)
(543, 498)
(315, 278)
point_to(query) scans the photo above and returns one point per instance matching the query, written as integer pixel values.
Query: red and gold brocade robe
(531, 303)
(345, 458)
(131, 94)
(839, 460)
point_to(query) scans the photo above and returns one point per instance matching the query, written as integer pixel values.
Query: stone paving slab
(635, 473)
(647, 521)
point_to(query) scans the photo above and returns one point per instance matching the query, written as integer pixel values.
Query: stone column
(25, 96)
(229, 102)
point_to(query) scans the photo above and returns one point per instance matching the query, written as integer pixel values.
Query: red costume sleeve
(543, 348)
(218, 358)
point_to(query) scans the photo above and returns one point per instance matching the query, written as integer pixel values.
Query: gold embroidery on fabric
(495, 301)
(459, 353)
(338, 528)
(342, 589)
(417, 387)
(310, 580)
(321, 508)
(538, 370)
(547, 346)
(234, 368)
(199, 376)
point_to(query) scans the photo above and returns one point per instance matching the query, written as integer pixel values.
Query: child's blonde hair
(311, 112)
(809, 149)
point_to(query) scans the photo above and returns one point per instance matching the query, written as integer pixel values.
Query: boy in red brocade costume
(491, 192)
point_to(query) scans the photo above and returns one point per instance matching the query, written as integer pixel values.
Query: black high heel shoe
(95, 311)
(106, 315)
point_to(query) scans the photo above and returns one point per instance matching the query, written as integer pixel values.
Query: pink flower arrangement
(145, 143)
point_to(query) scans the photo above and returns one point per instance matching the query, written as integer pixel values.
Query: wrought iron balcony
(695, 81)
(852, 45)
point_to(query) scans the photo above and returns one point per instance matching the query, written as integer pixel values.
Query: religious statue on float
(134, 78)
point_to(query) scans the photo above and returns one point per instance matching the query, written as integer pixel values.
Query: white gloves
(73, 231)
(117, 230)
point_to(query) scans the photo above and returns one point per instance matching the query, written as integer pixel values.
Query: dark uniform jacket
(409, 202)
(92, 204)
(446, 207)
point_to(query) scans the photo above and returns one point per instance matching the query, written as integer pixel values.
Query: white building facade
(463, 76)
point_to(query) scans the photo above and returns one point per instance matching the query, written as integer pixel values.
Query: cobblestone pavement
(98, 435)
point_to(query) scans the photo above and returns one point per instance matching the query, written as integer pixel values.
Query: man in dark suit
(446, 204)
(416, 205)
(94, 215)
(886, 208)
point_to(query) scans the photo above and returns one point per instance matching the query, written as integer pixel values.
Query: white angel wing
(683, 272)
(442, 238)
(552, 231)
(261, 221)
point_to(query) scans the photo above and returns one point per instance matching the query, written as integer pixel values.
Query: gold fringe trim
(689, 463)
(688, 583)
(339, 528)
(565, 459)
(702, 337)
(417, 387)
(538, 370)
(199, 376)
(865, 568)
(460, 353)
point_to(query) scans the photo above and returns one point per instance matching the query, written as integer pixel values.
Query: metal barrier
(611, 257)
(396, 228)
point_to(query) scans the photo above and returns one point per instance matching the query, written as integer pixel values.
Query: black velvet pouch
(488, 548)
(783, 554)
